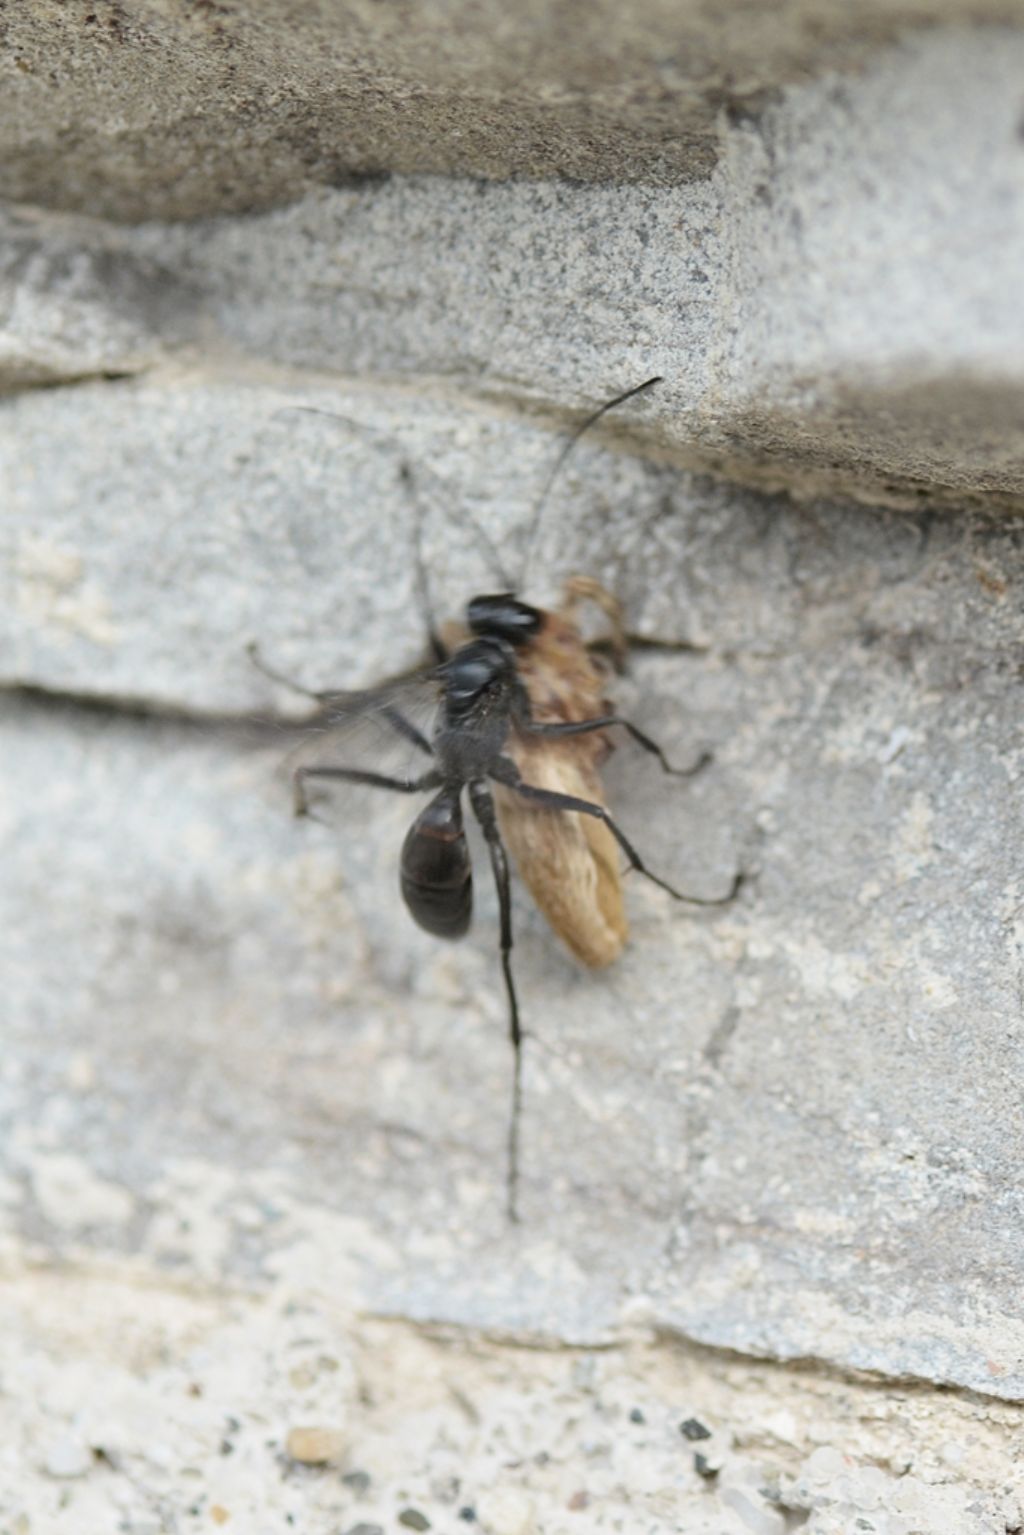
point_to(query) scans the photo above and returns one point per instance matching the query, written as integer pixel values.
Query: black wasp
(520, 699)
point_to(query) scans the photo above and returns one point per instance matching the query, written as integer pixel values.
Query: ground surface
(133, 1402)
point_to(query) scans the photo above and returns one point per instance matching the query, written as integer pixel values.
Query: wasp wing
(386, 731)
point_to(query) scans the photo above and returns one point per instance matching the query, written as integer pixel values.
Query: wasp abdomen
(437, 879)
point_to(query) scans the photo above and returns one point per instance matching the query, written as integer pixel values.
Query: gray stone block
(797, 1118)
(790, 1128)
(75, 304)
(818, 306)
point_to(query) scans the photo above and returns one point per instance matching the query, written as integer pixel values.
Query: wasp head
(504, 617)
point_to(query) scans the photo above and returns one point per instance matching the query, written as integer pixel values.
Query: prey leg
(505, 772)
(302, 775)
(580, 589)
(483, 809)
(580, 727)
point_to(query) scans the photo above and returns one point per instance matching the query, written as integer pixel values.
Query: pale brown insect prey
(570, 863)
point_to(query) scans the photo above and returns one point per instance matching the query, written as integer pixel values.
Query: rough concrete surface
(135, 108)
(254, 1120)
(819, 306)
(206, 1392)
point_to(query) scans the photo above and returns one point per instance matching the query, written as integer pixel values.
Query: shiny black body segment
(436, 874)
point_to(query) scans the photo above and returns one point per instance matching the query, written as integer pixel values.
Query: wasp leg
(431, 780)
(580, 727)
(405, 728)
(394, 717)
(505, 772)
(483, 809)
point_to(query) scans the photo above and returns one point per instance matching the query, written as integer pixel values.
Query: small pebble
(219, 1514)
(636, 1416)
(80, 1074)
(365, 1529)
(824, 1464)
(68, 1458)
(469, 1514)
(413, 1519)
(757, 1517)
(584, 1373)
(1011, 1515)
(704, 1467)
(693, 1429)
(359, 1481)
(506, 1511)
(314, 1446)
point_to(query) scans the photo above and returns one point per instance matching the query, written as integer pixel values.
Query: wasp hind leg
(483, 809)
(505, 772)
(604, 722)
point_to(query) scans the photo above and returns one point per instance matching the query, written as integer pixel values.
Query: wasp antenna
(389, 441)
(333, 415)
(255, 655)
(422, 580)
(492, 551)
(466, 519)
(556, 468)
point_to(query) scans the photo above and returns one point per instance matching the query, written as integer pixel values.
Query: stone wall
(789, 1129)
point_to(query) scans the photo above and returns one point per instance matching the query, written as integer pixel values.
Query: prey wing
(569, 862)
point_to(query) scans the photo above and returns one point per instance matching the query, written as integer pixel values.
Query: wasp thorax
(475, 668)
